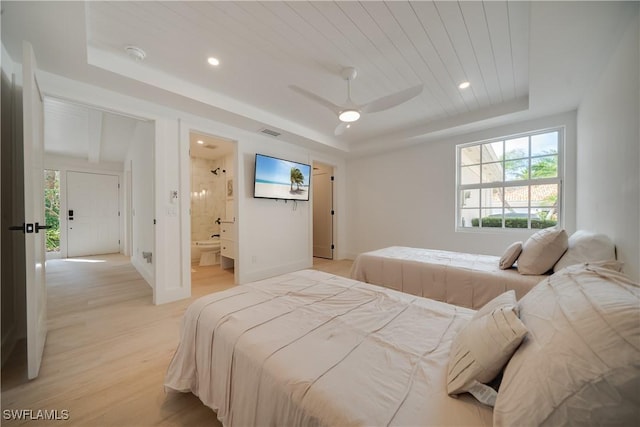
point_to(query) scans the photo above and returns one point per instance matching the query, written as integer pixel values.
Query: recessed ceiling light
(464, 85)
(213, 61)
(200, 142)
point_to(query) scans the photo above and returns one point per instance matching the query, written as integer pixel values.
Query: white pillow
(483, 347)
(586, 246)
(510, 255)
(580, 362)
(542, 250)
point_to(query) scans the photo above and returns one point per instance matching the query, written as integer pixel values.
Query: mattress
(463, 279)
(313, 349)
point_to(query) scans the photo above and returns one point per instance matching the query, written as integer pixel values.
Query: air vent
(270, 132)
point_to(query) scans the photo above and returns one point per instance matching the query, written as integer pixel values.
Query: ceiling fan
(350, 111)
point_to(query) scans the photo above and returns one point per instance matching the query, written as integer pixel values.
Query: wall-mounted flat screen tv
(281, 179)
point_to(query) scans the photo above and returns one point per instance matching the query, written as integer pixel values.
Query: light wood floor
(108, 347)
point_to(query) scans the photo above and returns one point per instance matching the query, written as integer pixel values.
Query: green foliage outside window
(513, 222)
(52, 209)
(545, 167)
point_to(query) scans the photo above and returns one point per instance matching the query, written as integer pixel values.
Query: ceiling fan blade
(392, 100)
(341, 128)
(320, 100)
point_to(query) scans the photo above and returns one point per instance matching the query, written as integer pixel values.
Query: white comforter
(467, 280)
(313, 349)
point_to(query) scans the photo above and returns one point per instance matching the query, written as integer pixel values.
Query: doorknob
(39, 227)
(18, 227)
(25, 228)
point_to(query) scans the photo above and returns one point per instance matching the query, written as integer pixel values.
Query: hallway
(107, 349)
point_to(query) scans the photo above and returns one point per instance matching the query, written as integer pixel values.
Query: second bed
(463, 279)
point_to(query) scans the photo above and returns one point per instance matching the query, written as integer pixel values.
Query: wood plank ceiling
(76, 130)
(265, 47)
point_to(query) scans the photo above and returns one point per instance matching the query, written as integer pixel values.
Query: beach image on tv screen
(281, 179)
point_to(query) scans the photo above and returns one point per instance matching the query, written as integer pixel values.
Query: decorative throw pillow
(483, 347)
(580, 362)
(586, 246)
(542, 250)
(510, 255)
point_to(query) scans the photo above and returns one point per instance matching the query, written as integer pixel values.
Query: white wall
(407, 197)
(274, 235)
(608, 192)
(170, 258)
(139, 163)
(272, 238)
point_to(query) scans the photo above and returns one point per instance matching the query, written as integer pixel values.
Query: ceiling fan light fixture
(349, 116)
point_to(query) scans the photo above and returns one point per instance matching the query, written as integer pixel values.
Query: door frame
(186, 130)
(334, 249)
(67, 165)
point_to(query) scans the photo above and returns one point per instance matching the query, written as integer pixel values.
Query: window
(511, 182)
(52, 209)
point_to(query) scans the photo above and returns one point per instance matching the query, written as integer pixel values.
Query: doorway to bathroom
(212, 161)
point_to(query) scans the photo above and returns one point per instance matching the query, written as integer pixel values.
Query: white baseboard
(350, 256)
(275, 271)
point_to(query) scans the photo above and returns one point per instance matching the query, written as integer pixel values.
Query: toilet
(206, 251)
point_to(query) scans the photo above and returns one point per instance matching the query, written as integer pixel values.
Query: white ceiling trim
(447, 126)
(126, 67)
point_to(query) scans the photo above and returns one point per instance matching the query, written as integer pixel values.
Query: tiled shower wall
(208, 195)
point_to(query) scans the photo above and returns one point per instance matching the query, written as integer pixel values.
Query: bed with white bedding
(310, 348)
(467, 280)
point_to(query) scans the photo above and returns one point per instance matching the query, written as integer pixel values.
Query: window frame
(459, 188)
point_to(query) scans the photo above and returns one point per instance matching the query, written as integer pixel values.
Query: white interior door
(93, 223)
(33, 133)
(322, 211)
